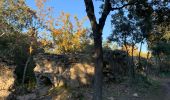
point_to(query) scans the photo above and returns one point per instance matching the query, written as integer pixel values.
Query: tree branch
(106, 11)
(125, 5)
(90, 13)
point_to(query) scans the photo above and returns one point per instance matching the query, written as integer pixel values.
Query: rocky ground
(159, 91)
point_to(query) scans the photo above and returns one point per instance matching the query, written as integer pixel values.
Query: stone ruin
(78, 69)
(56, 70)
(61, 70)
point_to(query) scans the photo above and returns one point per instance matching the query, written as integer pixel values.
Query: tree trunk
(98, 57)
(25, 69)
(132, 70)
(159, 62)
(146, 69)
(97, 32)
(125, 44)
(139, 60)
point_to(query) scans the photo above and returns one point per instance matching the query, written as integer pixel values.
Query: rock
(7, 78)
(135, 95)
(4, 94)
(111, 98)
(64, 95)
(42, 91)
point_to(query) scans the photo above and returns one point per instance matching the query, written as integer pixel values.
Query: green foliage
(109, 45)
(15, 19)
(16, 48)
(16, 14)
(161, 48)
(142, 80)
(14, 44)
(164, 74)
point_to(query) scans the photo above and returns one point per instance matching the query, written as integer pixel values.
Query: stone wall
(78, 69)
(71, 70)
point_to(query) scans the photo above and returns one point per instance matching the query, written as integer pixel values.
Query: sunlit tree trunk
(26, 65)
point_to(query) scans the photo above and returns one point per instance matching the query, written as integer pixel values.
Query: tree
(16, 19)
(158, 38)
(16, 14)
(68, 37)
(160, 33)
(97, 28)
(127, 32)
(139, 11)
(138, 23)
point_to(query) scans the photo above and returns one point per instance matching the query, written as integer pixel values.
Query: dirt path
(164, 90)
(168, 90)
(159, 93)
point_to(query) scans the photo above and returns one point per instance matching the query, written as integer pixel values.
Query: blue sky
(77, 7)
